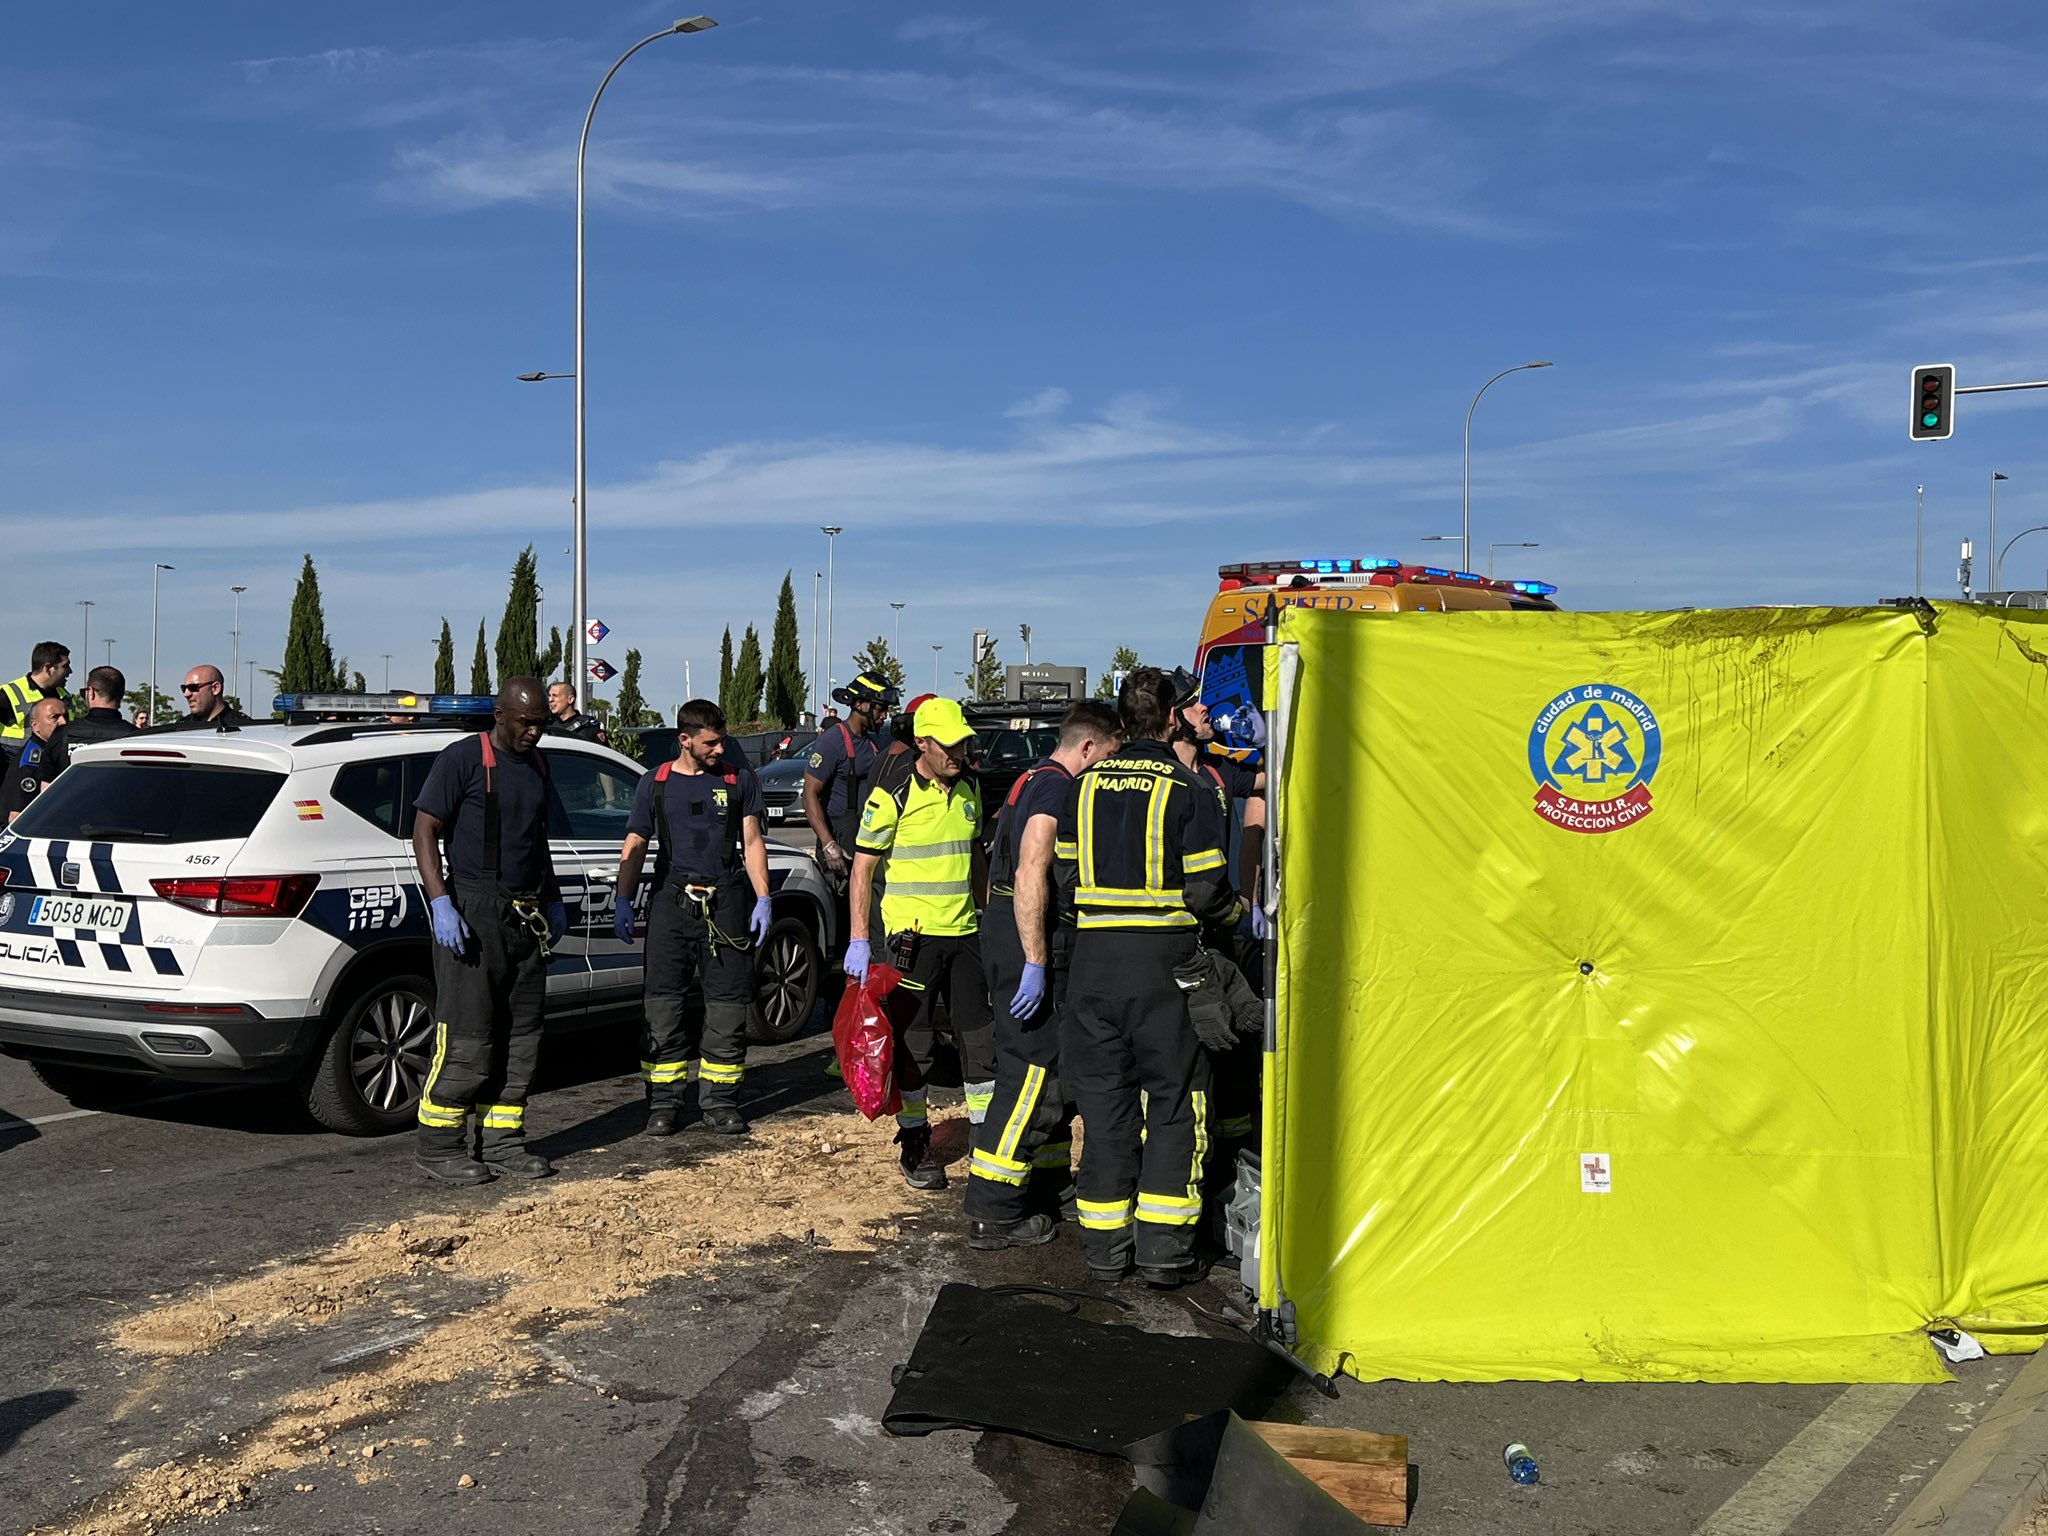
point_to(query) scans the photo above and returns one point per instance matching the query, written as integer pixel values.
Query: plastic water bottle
(1521, 1465)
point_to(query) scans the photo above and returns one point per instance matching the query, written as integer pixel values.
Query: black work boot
(453, 1170)
(919, 1172)
(511, 1157)
(661, 1121)
(1109, 1274)
(1027, 1232)
(725, 1120)
(1166, 1277)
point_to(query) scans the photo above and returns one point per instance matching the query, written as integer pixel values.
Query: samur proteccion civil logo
(1594, 750)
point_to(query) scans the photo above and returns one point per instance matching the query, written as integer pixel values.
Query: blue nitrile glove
(857, 960)
(757, 921)
(558, 921)
(622, 921)
(1030, 992)
(1260, 926)
(450, 931)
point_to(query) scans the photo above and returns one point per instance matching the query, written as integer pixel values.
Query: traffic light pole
(1994, 389)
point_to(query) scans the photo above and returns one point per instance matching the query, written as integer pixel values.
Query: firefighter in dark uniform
(495, 915)
(841, 770)
(707, 914)
(1027, 1137)
(1141, 848)
(1236, 1059)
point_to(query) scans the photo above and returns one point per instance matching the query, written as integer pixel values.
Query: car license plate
(777, 812)
(99, 914)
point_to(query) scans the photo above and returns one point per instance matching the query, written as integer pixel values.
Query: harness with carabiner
(528, 910)
(702, 898)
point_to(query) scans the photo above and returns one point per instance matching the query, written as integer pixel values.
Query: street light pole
(1466, 541)
(2000, 558)
(817, 693)
(1504, 544)
(935, 667)
(156, 576)
(1919, 533)
(578, 677)
(831, 609)
(235, 661)
(1993, 546)
(899, 607)
(85, 643)
(108, 642)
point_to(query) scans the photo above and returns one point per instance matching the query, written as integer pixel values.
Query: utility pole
(235, 660)
(899, 631)
(85, 644)
(831, 610)
(1919, 533)
(1024, 631)
(1993, 545)
(817, 693)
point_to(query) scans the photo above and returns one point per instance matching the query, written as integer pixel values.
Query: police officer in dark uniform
(32, 768)
(495, 916)
(1026, 1139)
(841, 770)
(1141, 848)
(565, 719)
(704, 821)
(105, 688)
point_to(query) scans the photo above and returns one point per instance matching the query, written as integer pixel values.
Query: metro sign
(602, 671)
(595, 631)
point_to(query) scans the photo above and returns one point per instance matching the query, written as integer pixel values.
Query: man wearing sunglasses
(206, 704)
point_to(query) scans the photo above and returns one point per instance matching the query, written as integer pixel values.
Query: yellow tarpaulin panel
(1659, 994)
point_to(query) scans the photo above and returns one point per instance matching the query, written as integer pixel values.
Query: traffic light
(1934, 401)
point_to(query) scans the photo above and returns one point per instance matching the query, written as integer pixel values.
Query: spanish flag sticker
(310, 810)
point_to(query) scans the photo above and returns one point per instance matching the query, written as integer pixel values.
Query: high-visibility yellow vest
(925, 835)
(21, 693)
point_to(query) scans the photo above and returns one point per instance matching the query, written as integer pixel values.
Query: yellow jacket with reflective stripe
(925, 836)
(21, 694)
(1141, 844)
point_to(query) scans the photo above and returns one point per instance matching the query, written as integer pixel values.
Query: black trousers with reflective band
(680, 947)
(489, 1001)
(1028, 1135)
(947, 969)
(1133, 1068)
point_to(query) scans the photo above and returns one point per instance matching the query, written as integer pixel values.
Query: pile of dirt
(547, 1263)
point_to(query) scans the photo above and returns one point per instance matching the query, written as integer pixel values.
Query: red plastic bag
(866, 1042)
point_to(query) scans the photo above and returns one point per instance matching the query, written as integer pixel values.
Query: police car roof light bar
(354, 706)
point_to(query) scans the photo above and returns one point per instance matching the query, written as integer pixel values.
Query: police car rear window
(150, 802)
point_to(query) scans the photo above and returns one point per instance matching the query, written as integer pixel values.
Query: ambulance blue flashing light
(1533, 588)
(1466, 576)
(1433, 570)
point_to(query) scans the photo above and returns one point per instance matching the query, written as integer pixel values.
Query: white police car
(242, 906)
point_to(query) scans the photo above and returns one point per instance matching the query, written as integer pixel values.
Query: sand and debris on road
(541, 1264)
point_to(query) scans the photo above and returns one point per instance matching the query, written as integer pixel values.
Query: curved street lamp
(577, 675)
(2037, 528)
(1465, 560)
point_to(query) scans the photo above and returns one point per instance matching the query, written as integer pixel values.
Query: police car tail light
(239, 895)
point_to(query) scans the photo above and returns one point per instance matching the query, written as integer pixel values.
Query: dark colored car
(1011, 735)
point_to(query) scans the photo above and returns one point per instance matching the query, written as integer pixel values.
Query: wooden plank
(1366, 1473)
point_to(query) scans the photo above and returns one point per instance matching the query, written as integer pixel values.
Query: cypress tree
(551, 658)
(518, 633)
(480, 664)
(725, 674)
(746, 682)
(786, 682)
(444, 661)
(309, 665)
(631, 710)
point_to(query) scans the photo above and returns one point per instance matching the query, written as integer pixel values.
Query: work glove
(557, 914)
(450, 931)
(758, 920)
(622, 921)
(1260, 926)
(1030, 992)
(857, 959)
(835, 858)
(1212, 1021)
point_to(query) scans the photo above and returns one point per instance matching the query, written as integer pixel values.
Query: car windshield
(1018, 749)
(150, 802)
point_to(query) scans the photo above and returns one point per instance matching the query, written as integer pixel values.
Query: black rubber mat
(1021, 1360)
(1239, 1485)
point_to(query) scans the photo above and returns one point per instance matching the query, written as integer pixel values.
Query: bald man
(206, 703)
(34, 768)
(496, 911)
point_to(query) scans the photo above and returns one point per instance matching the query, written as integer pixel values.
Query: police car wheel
(785, 983)
(366, 1081)
(87, 1087)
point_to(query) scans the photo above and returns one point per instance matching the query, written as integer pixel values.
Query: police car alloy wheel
(367, 1078)
(786, 983)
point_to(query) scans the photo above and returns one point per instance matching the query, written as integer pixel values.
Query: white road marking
(1810, 1460)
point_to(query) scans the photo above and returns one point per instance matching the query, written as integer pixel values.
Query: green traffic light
(1931, 419)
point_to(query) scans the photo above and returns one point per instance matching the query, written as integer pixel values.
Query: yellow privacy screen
(1660, 994)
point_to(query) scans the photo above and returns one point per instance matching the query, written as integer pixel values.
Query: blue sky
(1054, 310)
